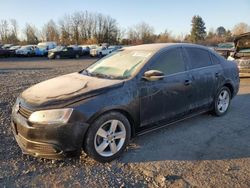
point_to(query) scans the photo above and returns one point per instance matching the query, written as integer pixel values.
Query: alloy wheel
(223, 101)
(110, 138)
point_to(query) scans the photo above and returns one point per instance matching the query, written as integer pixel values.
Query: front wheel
(77, 56)
(222, 101)
(107, 137)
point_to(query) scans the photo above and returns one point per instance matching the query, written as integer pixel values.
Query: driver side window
(169, 62)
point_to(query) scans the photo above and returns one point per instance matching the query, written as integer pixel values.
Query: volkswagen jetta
(127, 93)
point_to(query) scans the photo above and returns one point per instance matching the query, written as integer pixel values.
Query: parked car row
(41, 49)
(52, 51)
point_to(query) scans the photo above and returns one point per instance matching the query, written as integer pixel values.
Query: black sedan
(127, 93)
(64, 52)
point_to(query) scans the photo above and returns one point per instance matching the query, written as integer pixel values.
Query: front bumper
(51, 141)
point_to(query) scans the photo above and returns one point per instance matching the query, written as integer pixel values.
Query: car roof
(159, 46)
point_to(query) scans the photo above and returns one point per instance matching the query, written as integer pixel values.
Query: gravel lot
(203, 151)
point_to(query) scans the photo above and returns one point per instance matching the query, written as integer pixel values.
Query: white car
(100, 51)
(28, 50)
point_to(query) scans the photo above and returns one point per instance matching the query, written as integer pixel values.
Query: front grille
(24, 112)
(35, 146)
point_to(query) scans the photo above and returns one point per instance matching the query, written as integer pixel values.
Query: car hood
(68, 88)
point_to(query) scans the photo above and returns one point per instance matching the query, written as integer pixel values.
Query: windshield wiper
(100, 75)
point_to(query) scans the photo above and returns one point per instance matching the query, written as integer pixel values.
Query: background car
(3, 52)
(12, 50)
(28, 51)
(85, 49)
(242, 53)
(64, 52)
(224, 49)
(100, 51)
(7, 46)
(43, 48)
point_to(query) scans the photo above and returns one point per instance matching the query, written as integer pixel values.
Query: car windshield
(226, 45)
(119, 65)
(58, 48)
(42, 46)
(14, 47)
(24, 47)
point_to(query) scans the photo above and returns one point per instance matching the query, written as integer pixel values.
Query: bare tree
(50, 32)
(240, 28)
(141, 33)
(64, 25)
(75, 27)
(165, 37)
(31, 34)
(4, 31)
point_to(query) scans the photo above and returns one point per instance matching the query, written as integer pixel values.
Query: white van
(44, 47)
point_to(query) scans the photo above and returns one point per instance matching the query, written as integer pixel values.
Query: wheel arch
(115, 109)
(230, 87)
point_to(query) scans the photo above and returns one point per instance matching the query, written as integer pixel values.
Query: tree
(4, 31)
(221, 31)
(240, 28)
(165, 37)
(64, 25)
(30, 33)
(198, 31)
(50, 32)
(141, 33)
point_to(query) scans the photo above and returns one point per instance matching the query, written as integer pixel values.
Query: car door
(166, 99)
(205, 76)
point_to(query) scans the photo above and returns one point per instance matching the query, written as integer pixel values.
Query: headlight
(54, 116)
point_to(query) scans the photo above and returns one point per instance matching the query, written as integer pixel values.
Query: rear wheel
(77, 56)
(107, 137)
(222, 101)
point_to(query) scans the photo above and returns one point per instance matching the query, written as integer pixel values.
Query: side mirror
(153, 75)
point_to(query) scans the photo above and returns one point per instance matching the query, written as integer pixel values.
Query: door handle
(187, 82)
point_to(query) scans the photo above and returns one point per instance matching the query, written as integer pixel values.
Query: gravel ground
(203, 151)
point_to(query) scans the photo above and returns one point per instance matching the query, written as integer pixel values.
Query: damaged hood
(66, 88)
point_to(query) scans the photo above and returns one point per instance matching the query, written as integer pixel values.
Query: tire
(57, 57)
(114, 141)
(100, 55)
(222, 101)
(77, 56)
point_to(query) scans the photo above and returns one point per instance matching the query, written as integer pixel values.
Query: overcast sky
(175, 16)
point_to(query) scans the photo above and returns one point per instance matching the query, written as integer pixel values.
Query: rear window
(199, 57)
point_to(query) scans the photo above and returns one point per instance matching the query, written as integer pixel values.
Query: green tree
(198, 31)
(221, 31)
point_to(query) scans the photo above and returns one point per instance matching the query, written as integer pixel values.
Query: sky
(175, 16)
